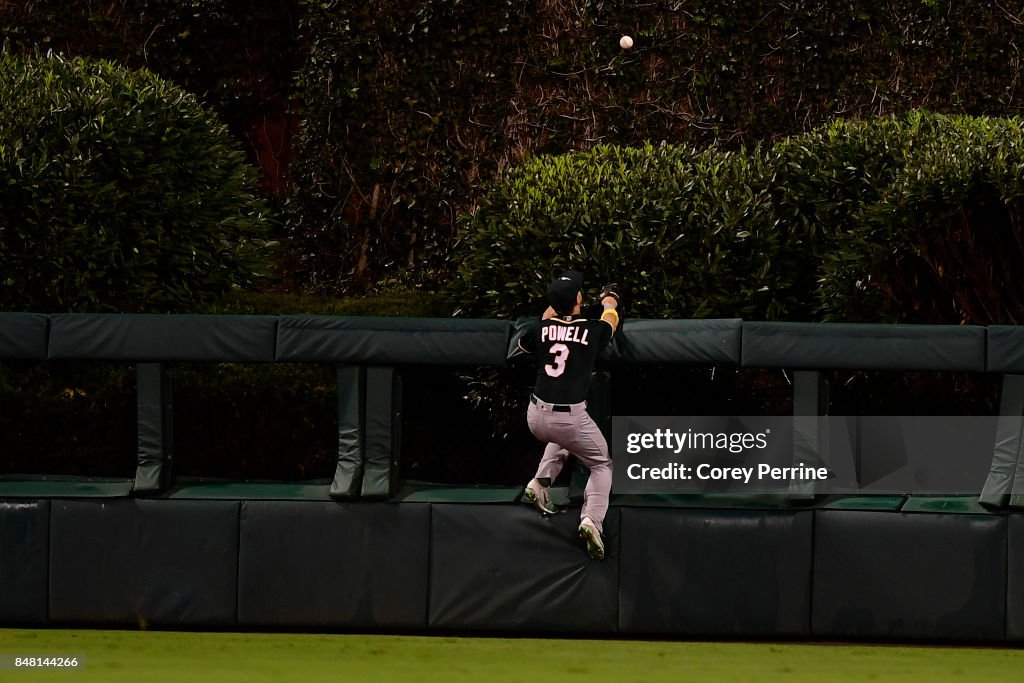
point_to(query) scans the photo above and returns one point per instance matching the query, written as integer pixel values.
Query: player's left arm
(524, 337)
(549, 313)
(610, 301)
(611, 316)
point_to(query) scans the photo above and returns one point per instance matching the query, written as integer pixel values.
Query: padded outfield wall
(367, 553)
(670, 572)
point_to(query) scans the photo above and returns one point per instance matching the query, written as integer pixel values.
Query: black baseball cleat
(590, 534)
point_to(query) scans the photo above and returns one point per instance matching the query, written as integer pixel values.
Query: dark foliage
(119, 192)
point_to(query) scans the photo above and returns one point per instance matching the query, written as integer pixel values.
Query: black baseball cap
(563, 290)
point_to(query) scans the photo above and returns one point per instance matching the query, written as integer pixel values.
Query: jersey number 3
(557, 366)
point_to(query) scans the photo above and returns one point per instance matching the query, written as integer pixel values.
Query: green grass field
(112, 656)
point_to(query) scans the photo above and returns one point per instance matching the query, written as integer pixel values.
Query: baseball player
(567, 346)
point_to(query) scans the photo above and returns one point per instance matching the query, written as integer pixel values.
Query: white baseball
(625, 42)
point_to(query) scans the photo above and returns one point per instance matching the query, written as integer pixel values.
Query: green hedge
(915, 218)
(119, 192)
(689, 233)
(944, 241)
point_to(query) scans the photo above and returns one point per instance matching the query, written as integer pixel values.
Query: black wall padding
(348, 473)
(24, 560)
(23, 336)
(891, 575)
(138, 562)
(507, 567)
(215, 338)
(392, 341)
(1017, 492)
(810, 401)
(1015, 578)
(684, 342)
(323, 564)
(155, 433)
(715, 572)
(383, 433)
(1005, 348)
(1009, 441)
(865, 347)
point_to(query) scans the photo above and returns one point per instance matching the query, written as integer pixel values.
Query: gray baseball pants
(573, 432)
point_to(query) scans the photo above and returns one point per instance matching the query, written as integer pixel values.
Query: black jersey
(566, 349)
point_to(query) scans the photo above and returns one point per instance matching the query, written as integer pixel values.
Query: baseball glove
(612, 290)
